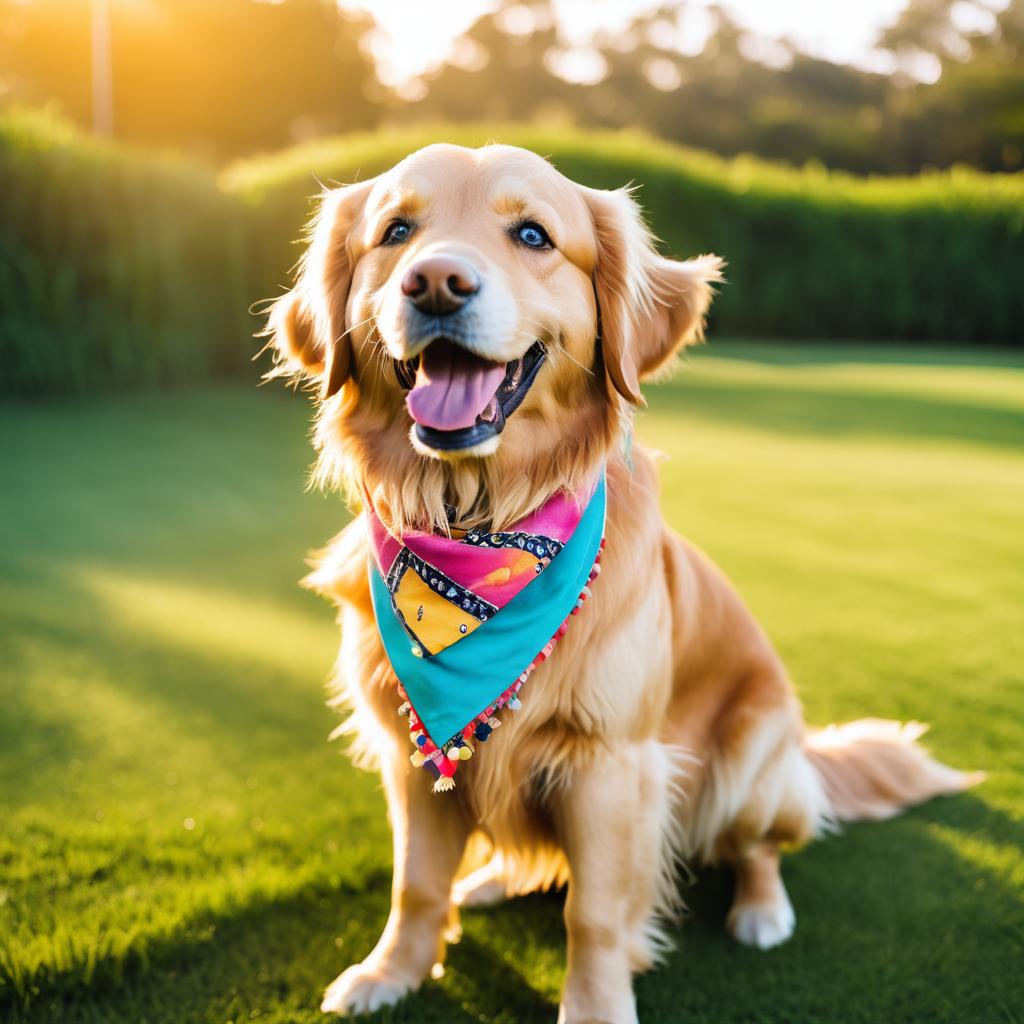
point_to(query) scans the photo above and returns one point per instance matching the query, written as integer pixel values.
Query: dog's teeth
(491, 411)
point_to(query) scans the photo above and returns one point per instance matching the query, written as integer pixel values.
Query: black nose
(440, 285)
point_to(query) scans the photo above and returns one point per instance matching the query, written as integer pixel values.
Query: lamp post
(102, 72)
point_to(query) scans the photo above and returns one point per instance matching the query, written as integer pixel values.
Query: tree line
(241, 76)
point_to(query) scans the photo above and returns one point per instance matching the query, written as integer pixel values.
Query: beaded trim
(441, 762)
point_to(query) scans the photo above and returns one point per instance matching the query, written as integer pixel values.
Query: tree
(222, 77)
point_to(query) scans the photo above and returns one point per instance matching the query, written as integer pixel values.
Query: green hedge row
(811, 254)
(120, 268)
(116, 268)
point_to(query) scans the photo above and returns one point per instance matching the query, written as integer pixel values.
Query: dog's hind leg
(761, 913)
(505, 876)
(759, 794)
(484, 887)
(429, 831)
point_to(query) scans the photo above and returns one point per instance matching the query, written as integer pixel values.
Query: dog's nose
(440, 285)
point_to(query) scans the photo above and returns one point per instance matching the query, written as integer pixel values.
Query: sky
(412, 36)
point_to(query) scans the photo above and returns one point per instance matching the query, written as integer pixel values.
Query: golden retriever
(664, 725)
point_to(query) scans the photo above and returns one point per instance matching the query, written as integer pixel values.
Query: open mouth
(457, 399)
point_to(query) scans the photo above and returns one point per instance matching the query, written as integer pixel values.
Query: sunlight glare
(412, 39)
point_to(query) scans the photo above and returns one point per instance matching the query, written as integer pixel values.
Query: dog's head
(475, 322)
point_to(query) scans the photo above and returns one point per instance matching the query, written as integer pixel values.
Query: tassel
(441, 763)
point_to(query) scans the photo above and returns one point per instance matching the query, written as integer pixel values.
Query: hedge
(117, 268)
(125, 268)
(811, 254)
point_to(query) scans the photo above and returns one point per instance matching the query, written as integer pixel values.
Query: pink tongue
(452, 387)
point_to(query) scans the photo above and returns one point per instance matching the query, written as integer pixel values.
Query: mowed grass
(181, 844)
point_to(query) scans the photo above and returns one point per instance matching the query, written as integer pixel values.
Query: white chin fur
(477, 451)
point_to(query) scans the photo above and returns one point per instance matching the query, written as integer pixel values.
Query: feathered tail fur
(874, 768)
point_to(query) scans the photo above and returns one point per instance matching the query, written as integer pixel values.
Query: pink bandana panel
(444, 587)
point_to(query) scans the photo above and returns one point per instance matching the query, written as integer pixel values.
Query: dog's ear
(649, 307)
(307, 327)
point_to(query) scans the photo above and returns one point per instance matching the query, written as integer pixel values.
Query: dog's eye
(397, 231)
(533, 235)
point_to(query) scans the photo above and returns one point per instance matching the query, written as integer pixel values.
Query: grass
(181, 844)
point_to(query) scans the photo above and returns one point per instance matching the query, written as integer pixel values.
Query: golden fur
(664, 725)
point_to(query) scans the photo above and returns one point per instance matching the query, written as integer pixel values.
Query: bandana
(465, 618)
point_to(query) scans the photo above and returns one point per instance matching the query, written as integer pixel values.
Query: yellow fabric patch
(441, 623)
(498, 577)
(525, 563)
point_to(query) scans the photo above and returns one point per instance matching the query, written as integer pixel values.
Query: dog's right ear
(307, 326)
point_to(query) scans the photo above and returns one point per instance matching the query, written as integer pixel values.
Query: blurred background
(180, 843)
(880, 86)
(133, 127)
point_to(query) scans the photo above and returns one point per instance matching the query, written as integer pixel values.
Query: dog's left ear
(649, 306)
(307, 326)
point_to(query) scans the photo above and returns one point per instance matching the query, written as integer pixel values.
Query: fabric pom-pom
(442, 763)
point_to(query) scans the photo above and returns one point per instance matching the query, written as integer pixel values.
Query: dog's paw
(763, 925)
(362, 988)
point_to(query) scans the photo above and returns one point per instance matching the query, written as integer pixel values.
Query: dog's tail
(873, 768)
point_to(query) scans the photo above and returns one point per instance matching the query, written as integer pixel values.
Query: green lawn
(181, 844)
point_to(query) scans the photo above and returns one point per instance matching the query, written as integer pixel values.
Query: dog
(663, 727)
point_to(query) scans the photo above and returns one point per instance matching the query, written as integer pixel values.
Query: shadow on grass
(273, 961)
(894, 924)
(269, 954)
(889, 913)
(824, 413)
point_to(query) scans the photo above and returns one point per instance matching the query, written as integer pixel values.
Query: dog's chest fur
(609, 679)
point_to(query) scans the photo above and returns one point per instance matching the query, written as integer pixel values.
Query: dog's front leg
(429, 832)
(613, 819)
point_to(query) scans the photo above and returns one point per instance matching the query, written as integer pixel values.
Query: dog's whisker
(563, 351)
(355, 327)
(557, 349)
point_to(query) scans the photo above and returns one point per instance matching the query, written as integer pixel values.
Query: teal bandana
(465, 618)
